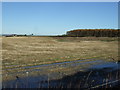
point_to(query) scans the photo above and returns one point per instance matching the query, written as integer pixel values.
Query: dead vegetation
(29, 51)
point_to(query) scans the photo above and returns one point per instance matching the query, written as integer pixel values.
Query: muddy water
(91, 77)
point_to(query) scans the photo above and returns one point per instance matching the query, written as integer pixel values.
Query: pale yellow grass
(41, 50)
(29, 51)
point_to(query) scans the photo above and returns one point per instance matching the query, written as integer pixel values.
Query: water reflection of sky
(34, 82)
(112, 65)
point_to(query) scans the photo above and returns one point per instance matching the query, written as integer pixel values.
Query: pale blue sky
(60, 0)
(53, 18)
(0, 18)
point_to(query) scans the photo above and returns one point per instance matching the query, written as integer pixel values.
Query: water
(60, 63)
(112, 65)
(99, 72)
(54, 65)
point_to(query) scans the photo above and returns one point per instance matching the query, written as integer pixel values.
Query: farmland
(20, 52)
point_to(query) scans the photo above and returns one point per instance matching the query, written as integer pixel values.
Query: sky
(0, 18)
(61, 0)
(56, 18)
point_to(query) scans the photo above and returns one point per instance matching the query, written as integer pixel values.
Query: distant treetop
(94, 32)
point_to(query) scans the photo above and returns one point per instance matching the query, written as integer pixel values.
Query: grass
(30, 51)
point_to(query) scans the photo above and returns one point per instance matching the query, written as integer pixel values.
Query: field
(20, 52)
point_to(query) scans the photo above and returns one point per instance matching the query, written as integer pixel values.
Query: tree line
(94, 32)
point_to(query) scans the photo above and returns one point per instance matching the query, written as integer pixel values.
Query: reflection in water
(95, 76)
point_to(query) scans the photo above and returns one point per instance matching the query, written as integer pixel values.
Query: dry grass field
(30, 51)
